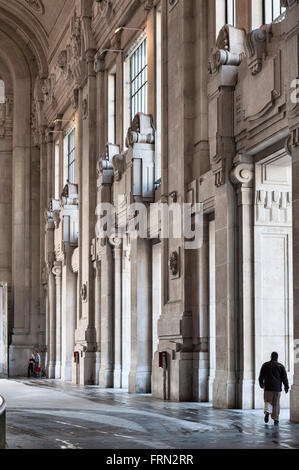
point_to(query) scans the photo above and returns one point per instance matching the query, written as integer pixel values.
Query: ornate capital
(243, 171)
(57, 269)
(229, 49)
(141, 130)
(256, 48)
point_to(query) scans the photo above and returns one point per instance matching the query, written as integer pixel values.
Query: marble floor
(50, 414)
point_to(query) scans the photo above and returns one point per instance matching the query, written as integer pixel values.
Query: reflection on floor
(49, 414)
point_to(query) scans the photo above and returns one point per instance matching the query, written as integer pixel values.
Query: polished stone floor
(49, 414)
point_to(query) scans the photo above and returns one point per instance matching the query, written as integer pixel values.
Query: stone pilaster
(97, 306)
(106, 370)
(141, 317)
(242, 177)
(68, 315)
(295, 191)
(57, 271)
(117, 255)
(51, 325)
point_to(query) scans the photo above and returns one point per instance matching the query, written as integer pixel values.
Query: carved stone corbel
(57, 219)
(141, 130)
(256, 48)
(118, 163)
(57, 269)
(174, 264)
(243, 171)
(229, 49)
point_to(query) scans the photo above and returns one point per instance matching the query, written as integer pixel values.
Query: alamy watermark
(175, 221)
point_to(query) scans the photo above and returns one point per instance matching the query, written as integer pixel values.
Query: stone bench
(2, 423)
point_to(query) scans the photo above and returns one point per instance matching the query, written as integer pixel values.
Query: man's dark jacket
(272, 375)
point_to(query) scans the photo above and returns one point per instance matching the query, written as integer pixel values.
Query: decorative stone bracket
(256, 48)
(229, 49)
(243, 171)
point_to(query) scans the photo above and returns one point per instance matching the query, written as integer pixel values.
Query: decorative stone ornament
(229, 49)
(106, 8)
(174, 264)
(141, 130)
(84, 292)
(118, 163)
(36, 5)
(256, 48)
(243, 171)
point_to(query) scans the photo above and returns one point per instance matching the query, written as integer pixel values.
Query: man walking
(272, 376)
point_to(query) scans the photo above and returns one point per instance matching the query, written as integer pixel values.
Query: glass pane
(139, 79)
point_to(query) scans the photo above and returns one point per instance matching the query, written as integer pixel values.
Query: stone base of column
(58, 370)
(87, 369)
(246, 394)
(66, 372)
(97, 368)
(201, 374)
(294, 399)
(18, 359)
(106, 378)
(117, 378)
(51, 370)
(125, 378)
(224, 392)
(140, 381)
(178, 377)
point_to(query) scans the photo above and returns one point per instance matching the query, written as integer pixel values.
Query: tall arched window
(2, 92)
(271, 10)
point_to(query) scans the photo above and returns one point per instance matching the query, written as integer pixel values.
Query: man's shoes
(266, 417)
(276, 422)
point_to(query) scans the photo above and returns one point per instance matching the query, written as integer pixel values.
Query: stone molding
(273, 207)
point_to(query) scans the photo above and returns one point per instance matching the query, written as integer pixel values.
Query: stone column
(117, 254)
(49, 141)
(141, 319)
(106, 370)
(57, 271)
(51, 325)
(126, 314)
(202, 363)
(68, 314)
(242, 176)
(295, 192)
(97, 306)
(225, 380)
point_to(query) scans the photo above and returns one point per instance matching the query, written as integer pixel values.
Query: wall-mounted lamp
(111, 50)
(120, 28)
(63, 120)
